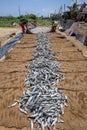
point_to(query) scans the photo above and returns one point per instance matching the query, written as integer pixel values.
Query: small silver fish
(14, 104)
(31, 124)
(23, 111)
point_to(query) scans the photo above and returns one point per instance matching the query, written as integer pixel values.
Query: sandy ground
(12, 75)
(6, 32)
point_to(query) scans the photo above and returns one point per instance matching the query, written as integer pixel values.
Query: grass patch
(7, 21)
(44, 22)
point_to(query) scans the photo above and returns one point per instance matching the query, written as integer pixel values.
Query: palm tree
(73, 10)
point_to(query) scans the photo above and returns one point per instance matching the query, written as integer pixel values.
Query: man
(24, 24)
(54, 25)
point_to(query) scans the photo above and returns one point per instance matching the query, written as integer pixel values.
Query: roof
(84, 10)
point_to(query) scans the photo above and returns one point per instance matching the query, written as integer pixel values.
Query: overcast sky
(38, 7)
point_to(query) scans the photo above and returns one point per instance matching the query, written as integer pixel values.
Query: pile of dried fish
(40, 30)
(43, 48)
(42, 103)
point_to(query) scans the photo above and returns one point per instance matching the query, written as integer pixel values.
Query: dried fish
(12, 105)
(42, 103)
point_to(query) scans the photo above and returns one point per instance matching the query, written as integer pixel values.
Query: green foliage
(43, 22)
(21, 17)
(32, 16)
(74, 10)
(8, 20)
(28, 17)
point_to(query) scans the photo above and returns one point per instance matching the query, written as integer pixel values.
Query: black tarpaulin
(4, 49)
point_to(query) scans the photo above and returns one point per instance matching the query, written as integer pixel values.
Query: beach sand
(5, 33)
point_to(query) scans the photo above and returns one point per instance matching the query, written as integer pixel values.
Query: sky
(38, 7)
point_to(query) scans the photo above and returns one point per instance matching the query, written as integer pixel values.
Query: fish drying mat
(42, 103)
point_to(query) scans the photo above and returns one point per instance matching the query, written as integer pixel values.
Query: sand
(6, 32)
(12, 75)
